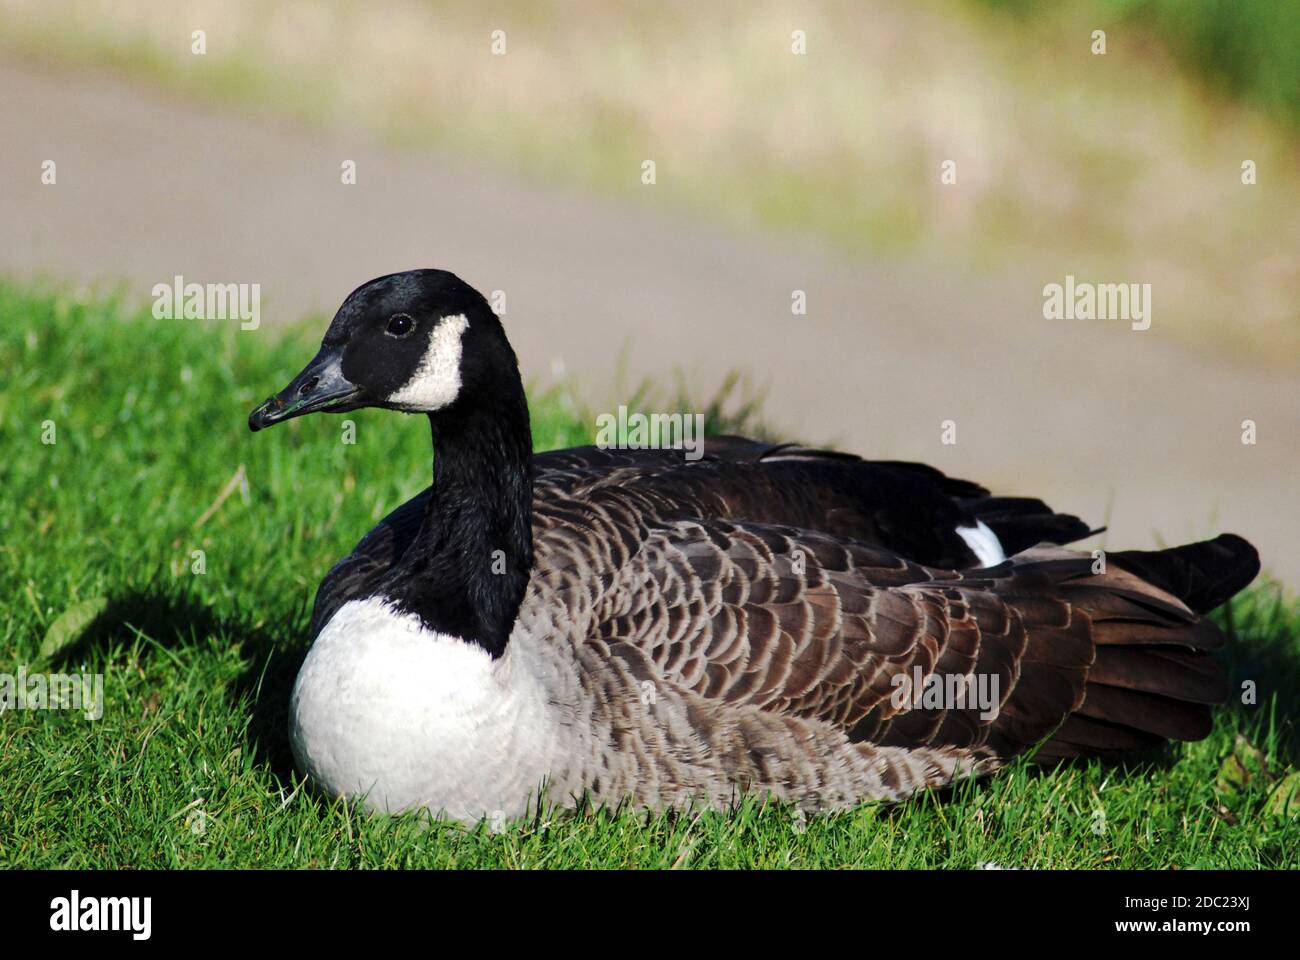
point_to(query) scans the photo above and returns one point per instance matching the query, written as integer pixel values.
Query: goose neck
(467, 570)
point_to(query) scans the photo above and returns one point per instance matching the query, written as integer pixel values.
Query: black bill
(320, 386)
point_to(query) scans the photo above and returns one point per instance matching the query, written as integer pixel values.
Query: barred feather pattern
(706, 630)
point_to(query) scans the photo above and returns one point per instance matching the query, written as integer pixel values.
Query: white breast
(385, 710)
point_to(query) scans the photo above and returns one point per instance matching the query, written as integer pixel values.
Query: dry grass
(1114, 168)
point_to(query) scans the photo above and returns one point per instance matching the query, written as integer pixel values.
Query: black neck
(466, 572)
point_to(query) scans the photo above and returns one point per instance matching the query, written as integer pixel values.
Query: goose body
(634, 625)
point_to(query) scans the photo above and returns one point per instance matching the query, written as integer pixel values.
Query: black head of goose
(425, 342)
(632, 624)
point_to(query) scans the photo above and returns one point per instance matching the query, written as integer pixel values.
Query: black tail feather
(1203, 575)
(1152, 676)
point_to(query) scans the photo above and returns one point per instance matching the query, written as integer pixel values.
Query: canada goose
(633, 625)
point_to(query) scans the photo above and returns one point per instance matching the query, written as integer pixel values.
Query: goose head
(423, 341)
(426, 342)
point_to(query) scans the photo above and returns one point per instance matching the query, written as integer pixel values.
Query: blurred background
(796, 147)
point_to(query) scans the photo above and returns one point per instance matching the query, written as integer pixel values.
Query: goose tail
(1152, 675)
(1202, 575)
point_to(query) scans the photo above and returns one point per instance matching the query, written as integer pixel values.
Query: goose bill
(320, 386)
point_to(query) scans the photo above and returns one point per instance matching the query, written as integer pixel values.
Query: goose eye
(399, 325)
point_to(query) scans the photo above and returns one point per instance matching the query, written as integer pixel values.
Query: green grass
(189, 765)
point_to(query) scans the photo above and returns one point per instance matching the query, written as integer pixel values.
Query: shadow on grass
(265, 685)
(169, 620)
(176, 621)
(1262, 657)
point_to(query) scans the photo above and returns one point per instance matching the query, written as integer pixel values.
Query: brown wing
(799, 623)
(911, 509)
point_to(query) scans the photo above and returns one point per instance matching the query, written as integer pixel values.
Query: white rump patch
(984, 543)
(437, 380)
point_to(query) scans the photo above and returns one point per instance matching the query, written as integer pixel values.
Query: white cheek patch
(437, 380)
